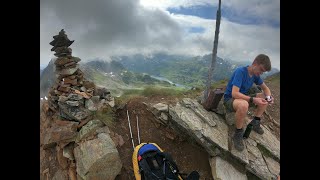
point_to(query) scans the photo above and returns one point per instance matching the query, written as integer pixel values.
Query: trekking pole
(130, 130)
(138, 128)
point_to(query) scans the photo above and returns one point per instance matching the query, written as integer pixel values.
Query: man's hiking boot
(238, 140)
(256, 126)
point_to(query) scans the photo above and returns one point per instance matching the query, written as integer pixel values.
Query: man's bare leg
(241, 107)
(258, 114)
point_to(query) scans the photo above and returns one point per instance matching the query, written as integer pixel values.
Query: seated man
(238, 96)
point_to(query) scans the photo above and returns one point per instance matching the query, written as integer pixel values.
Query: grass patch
(220, 84)
(106, 115)
(127, 95)
(163, 91)
(274, 79)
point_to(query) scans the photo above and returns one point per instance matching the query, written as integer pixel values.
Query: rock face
(221, 169)
(98, 158)
(261, 155)
(207, 135)
(73, 145)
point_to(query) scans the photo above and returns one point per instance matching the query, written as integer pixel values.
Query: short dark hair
(263, 60)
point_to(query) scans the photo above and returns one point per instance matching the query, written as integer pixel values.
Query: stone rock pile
(73, 144)
(71, 95)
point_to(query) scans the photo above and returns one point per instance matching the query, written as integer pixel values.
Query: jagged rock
(60, 40)
(63, 161)
(90, 105)
(164, 117)
(70, 65)
(230, 118)
(68, 71)
(102, 101)
(95, 99)
(220, 109)
(257, 164)
(83, 94)
(201, 112)
(58, 93)
(101, 92)
(70, 81)
(83, 89)
(223, 170)
(196, 127)
(60, 130)
(268, 141)
(72, 103)
(53, 98)
(88, 85)
(72, 172)
(63, 98)
(68, 151)
(64, 85)
(217, 152)
(251, 142)
(60, 175)
(73, 113)
(89, 129)
(111, 102)
(103, 129)
(117, 139)
(64, 89)
(98, 158)
(240, 155)
(273, 166)
(158, 108)
(62, 61)
(76, 59)
(63, 51)
(75, 97)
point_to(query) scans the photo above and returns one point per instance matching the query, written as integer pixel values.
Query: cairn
(70, 95)
(68, 127)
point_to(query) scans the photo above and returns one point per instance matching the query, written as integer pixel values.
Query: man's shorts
(229, 103)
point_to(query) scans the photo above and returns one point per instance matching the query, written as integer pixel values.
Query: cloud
(261, 9)
(236, 41)
(103, 28)
(123, 27)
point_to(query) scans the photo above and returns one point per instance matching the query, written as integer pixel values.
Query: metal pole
(130, 130)
(214, 52)
(138, 128)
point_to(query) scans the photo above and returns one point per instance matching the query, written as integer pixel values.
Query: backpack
(214, 97)
(151, 163)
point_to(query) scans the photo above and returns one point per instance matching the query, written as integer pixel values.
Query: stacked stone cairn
(73, 144)
(71, 94)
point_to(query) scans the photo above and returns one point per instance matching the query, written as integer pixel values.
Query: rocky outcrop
(260, 157)
(222, 169)
(207, 135)
(98, 158)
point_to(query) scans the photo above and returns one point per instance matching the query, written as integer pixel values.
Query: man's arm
(267, 92)
(236, 94)
(265, 89)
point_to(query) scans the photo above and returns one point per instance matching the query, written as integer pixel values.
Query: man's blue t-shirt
(241, 79)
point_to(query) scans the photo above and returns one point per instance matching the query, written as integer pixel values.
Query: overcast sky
(104, 28)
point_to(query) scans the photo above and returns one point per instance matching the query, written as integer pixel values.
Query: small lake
(165, 79)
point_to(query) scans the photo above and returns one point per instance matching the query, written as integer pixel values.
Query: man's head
(261, 64)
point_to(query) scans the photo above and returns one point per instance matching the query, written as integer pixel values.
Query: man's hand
(259, 101)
